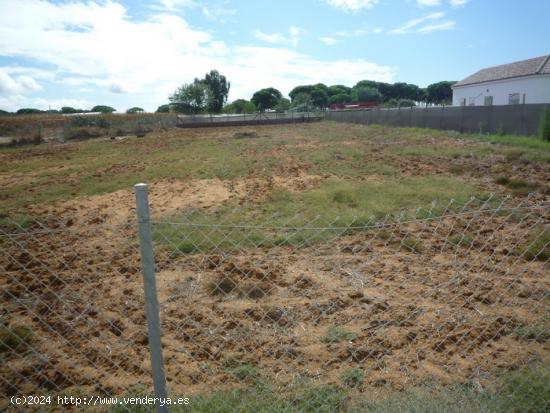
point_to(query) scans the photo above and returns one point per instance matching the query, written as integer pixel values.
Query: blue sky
(135, 53)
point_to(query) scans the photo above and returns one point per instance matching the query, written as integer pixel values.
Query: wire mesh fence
(258, 118)
(444, 308)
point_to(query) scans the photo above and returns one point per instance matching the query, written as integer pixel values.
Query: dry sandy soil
(439, 312)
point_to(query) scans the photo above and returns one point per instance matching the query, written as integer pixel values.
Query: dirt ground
(439, 311)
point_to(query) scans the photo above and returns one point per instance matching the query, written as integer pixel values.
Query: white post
(150, 289)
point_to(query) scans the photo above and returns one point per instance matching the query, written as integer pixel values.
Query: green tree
(338, 90)
(240, 106)
(366, 94)
(406, 91)
(266, 98)
(103, 109)
(387, 91)
(339, 98)
(191, 98)
(440, 93)
(135, 109)
(302, 102)
(163, 109)
(283, 105)
(299, 90)
(366, 83)
(68, 109)
(319, 97)
(4, 113)
(219, 90)
(28, 111)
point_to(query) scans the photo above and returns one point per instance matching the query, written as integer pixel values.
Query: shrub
(537, 333)
(538, 246)
(13, 338)
(502, 180)
(353, 377)
(462, 240)
(90, 121)
(413, 244)
(336, 334)
(544, 126)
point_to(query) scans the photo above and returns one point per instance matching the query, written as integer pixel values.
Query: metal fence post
(150, 289)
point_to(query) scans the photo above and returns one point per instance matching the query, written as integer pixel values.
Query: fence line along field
(307, 267)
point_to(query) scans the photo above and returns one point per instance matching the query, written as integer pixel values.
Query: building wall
(535, 88)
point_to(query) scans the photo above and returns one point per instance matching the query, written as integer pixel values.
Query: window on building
(488, 101)
(471, 101)
(513, 99)
(463, 102)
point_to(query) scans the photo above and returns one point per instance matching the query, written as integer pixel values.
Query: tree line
(70, 110)
(209, 95)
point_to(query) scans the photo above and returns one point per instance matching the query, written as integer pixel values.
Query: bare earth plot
(280, 272)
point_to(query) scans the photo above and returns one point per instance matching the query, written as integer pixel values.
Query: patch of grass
(431, 151)
(457, 169)
(186, 248)
(353, 377)
(535, 332)
(514, 154)
(525, 390)
(346, 161)
(291, 219)
(336, 334)
(502, 180)
(245, 372)
(537, 246)
(518, 186)
(413, 244)
(15, 338)
(462, 240)
(522, 187)
(345, 197)
(384, 235)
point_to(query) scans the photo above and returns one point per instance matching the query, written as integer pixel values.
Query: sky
(136, 53)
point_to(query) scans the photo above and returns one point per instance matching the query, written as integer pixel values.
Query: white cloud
(14, 102)
(292, 38)
(218, 13)
(428, 2)
(351, 5)
(91, 45)
(284, 69)
(329, 41)
(275, 38)
(117, 87)
(177, 4)
(458, 3)
(419, 25)
(19, 84)
(336, 37)
(447, 25)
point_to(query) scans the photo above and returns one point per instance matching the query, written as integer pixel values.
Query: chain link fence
(444, 308)
(257, 118)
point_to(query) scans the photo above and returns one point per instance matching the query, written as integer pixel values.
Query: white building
(527, 81)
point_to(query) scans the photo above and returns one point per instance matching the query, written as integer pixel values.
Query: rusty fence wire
(444, 308)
